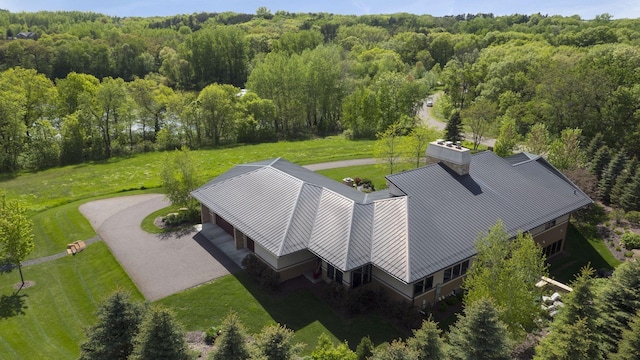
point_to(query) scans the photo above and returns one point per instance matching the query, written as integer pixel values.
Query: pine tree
(624, 179)
(453, 130)
(609, 176)
(629, 345)
(578, 315)
(573, 343)
(630, 199)
(537, 141)
(231, 344)
(275, 342)
(397, 350)
(113, 336)
(325, 350)
(479, 334)
(364, 350)
(599, 161)
(426, 342)
(596, 143)
(619, 300)
(160, 337)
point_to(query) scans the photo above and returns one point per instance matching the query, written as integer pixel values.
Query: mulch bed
(27, 284)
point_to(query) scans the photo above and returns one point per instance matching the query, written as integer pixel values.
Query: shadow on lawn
(299, 304)
(578, 253)
(12, 305)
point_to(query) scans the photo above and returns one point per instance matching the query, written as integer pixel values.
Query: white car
(429, 102)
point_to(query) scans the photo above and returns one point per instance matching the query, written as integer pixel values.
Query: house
(416, 238)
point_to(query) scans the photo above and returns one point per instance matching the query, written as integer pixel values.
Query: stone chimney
(454, 156)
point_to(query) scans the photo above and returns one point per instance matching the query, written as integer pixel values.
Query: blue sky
(587, 9)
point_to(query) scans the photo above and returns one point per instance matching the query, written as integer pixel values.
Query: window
(553, 249)
(361, 276)
(423, 286)
(455, 271)
(334, 274)
(550, 224)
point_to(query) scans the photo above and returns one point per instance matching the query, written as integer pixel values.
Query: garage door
(228, 228)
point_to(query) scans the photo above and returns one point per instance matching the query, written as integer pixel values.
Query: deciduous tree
(506, 271)
(179, 175)
(16, 234)
(387, 148)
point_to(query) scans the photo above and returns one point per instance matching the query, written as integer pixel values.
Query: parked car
(429, 102)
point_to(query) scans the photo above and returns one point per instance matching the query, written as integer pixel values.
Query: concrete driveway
(159, 264)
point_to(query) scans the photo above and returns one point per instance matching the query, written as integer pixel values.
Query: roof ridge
(349, 242)
(407, 244)
(293, 211)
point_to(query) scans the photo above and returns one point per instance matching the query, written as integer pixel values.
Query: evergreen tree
(113, 336)
(453, 130)
(619, 301)
(365, 348)
(629, 345)
(397, 350)
(624, 179)
(325, 350)
(609, 176)
(537, 141)
(574, 342)
(231, 344)
(426, 342)
(597, 141)
(630, 199)
(275, 342)
(479, 334)
(578, 315)
(160, 337)
(599, 161)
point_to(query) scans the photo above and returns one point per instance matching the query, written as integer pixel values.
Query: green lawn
(583, 247)
(46, 321)
(53, 313)
(300, 310)
(54, 187)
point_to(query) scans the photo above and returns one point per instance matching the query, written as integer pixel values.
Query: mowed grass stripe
(61, 305)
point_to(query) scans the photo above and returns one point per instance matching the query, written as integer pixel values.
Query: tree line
(144, 84)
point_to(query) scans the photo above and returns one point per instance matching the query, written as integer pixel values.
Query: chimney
(454, 156)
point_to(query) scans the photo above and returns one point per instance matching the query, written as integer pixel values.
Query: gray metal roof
(287, 208)
(447, 211)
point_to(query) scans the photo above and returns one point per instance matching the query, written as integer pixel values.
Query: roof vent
(448, 143)
(440, 142)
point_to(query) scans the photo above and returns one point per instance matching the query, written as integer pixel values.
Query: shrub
(348, 134)
(628, 254)
(617, 215)
(618, 248)
(183, 216)
(633, 217)
(631, 240)
(618, 232)
(261, 272)
(211, 334)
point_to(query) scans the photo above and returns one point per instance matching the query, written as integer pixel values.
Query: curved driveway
(159, 264)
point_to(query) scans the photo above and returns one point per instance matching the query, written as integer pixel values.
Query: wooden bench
(75, 247)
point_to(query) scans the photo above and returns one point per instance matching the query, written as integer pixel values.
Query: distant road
(426, 114)
(339, 164)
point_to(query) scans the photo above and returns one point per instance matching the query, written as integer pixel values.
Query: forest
(79, 87)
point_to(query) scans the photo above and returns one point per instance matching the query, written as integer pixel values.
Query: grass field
(47, 320)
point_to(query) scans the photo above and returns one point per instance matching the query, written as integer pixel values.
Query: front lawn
(46, 321)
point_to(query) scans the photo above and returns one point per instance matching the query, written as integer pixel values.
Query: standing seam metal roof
(286, 208)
